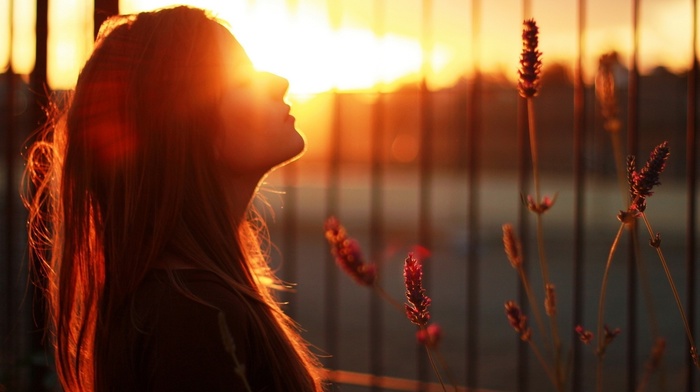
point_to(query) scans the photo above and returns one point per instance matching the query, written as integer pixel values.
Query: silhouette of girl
(141, 215)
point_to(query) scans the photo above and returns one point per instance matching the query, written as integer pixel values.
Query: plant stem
(531, 299)
(546, 368)
(540, 247)
(536, 177)
(601, 307)
(599, 374)
(446, 368)
(670, 281)
(533, 147)
(384, 295)
(556, 342)
(645, 285)
(435, 369)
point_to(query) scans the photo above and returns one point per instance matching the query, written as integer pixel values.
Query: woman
(141, 195)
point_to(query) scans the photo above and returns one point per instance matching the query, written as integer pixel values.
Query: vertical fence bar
(426, 156)
(38, 84)
(579, 196)
(10, 357)
(331, 273)
(290, 216)
(523, 378)
(632, 147)
(691, 180)
(290, 239)
(289, 231)
(331, 293)
(376, 228)
(473, 239)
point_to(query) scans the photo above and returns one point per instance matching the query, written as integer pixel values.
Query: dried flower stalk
(418, 301)
(550, 300)
(605, 92)
(512, 246)
(513, 249)
(518, 320)
(642, 182)
(530, 63)
(348, 254)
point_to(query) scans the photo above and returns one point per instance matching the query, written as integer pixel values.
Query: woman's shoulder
(184, 332)
(194, 290)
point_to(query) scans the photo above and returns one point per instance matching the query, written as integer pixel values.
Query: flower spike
(518, 320)
(550, 300)
(348, 254)
(642, 182)
(530, 62)
(418, 301)
(605, 92)
(512, 246)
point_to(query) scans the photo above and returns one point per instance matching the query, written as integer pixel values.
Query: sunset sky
(301, 41)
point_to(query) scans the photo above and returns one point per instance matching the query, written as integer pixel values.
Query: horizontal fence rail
(436, 172)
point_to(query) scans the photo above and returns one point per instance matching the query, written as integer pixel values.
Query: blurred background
(417, 141)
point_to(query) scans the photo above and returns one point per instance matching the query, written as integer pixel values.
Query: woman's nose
(274, 85)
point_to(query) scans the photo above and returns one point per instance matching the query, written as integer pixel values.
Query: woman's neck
(240, 192)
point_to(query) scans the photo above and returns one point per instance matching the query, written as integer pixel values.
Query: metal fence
(471, 165)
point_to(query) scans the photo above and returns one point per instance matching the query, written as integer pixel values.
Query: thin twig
(547, 369)
(532, 301)
(388, 298)
(435, 369)
(601, 307)
(556, 342)
(672, 284)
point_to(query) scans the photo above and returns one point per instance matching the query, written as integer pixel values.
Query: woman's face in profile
(259, 132)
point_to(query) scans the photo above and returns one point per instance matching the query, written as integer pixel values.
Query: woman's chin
(299, 148)
(293, 158)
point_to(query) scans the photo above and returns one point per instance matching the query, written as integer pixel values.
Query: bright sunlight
(320, 49)
(299, 43)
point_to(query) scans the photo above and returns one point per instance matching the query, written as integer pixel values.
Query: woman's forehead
(231, 50)
(231, 56)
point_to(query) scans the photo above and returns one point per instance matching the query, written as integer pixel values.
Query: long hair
(125, 172)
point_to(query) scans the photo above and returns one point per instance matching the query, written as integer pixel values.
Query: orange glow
(300, 44)
(21, 47)
(404, 148)
(296, 38)
(69, 42)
